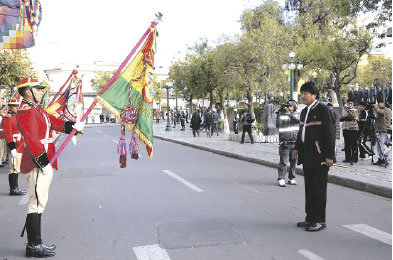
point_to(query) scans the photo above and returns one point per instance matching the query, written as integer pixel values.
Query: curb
(345, 182)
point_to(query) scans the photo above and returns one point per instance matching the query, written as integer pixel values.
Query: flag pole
(61, 88)
(107, 85)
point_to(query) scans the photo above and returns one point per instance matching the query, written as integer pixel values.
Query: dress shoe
(303, 224)
(317, 226)
(38, 251)
(49, 246)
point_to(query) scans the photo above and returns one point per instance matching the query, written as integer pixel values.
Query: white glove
(47, 169)
(14, 153)
(79, 126)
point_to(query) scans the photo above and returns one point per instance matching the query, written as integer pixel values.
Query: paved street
(188, 204)
(361, 176)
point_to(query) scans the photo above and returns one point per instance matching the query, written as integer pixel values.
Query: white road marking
(105, 135)
(24, 199)
(99, 131)
(309, 255)
(114, 141)
(185, 182)
(371, 232)
(150, 252)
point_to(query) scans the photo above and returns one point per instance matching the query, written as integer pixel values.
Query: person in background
(349, 118)
(235, 121)
(15, 144)
(195, 123)
(288, 127)
(384, 129)
(247, 119)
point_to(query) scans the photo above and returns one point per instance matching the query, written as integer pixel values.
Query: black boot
(34, 247)
(13, 181)
(48, 246)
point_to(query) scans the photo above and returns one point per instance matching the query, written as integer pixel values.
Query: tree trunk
(191, 107)
(224, 110)
(251, 105)
(211, 98)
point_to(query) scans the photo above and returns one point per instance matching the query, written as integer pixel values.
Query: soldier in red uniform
(36, 126)
(15, 146)
(2, 140)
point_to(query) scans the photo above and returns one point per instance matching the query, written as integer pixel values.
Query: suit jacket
(319, 138)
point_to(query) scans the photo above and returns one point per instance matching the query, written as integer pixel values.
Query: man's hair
(310, 87)
(22, 91)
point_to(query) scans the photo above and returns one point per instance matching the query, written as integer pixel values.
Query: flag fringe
(130, 127)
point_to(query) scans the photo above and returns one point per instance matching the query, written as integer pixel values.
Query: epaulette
(24, 107)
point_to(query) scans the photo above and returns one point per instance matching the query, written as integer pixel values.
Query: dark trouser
(215, 128)
(351, 145)
(248, 129)
(195, 131)
(208, 127)
(315, 182)
(235, 127)
(285, 151)
(363, 147)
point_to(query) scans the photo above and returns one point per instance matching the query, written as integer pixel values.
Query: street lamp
(167, 87)
(292, 65)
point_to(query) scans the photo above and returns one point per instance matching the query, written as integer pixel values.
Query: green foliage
(377, 71)
(101, 78)
(14, 65)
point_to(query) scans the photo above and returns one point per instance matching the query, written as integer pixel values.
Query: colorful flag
(19, 22)
(65, 106)
(131, 95)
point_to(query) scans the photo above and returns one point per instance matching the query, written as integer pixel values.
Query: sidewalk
(361, 176)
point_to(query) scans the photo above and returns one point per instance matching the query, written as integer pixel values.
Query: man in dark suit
(315, 150)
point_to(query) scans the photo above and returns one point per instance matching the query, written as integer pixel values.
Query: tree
(14, 65)
(261, 50)
(100, 80)
(377, 69)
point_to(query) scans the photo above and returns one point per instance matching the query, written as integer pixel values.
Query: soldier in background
(15, 146)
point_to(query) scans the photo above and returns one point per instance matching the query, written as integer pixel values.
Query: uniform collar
(35, 105)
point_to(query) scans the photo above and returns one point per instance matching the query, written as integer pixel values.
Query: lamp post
(168, 124)
(292, 65)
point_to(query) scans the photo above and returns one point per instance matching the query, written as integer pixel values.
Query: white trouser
(15, 163)
(39, 184)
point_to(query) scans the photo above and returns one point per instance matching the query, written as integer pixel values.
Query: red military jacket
(36, 126)
(1, 131)
(12, 134)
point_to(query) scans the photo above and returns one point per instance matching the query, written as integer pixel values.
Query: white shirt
(305, 120)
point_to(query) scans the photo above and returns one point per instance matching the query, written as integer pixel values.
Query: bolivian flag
(134, 87)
